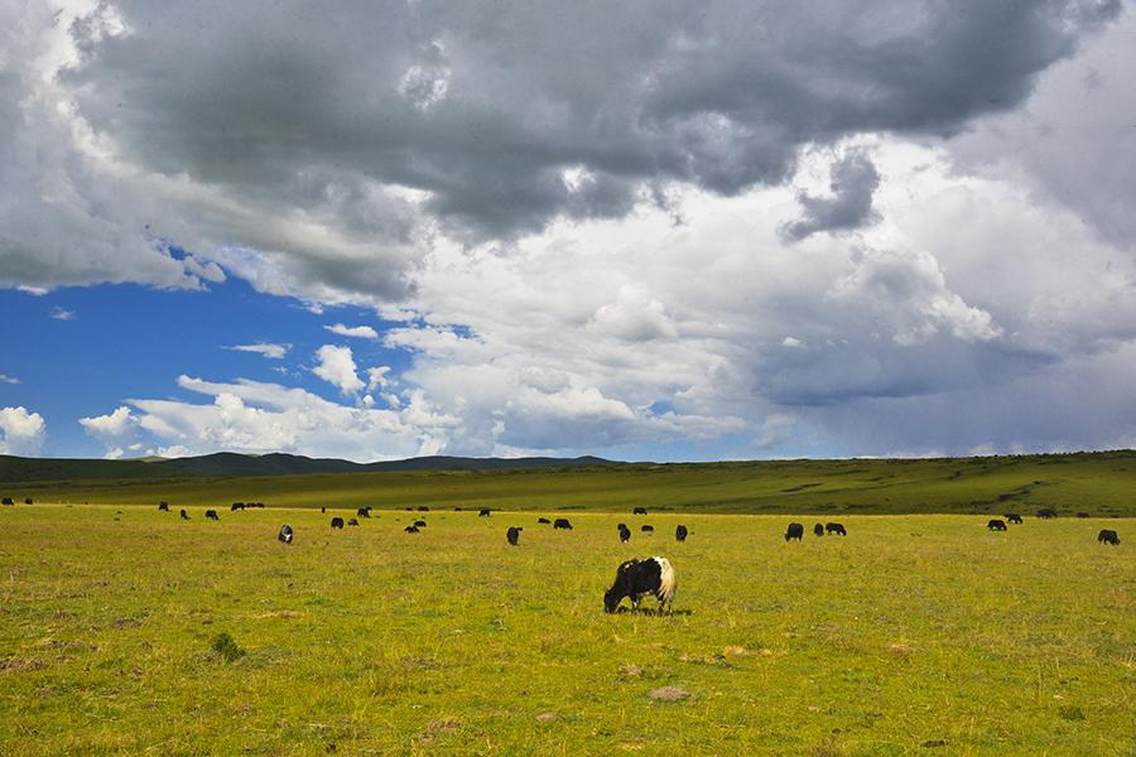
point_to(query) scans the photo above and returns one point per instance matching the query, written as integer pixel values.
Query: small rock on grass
(668, 694)
(547, 717)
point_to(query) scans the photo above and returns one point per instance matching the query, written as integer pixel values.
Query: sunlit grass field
(913, 634)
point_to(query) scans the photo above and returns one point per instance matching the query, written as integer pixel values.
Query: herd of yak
(635, 578)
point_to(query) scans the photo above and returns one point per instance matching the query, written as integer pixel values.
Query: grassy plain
(915, 634)
(1100, 483)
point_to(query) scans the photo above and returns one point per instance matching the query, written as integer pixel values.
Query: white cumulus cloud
(357, 332)
(21, 432)
(267, 349)
(337, 367)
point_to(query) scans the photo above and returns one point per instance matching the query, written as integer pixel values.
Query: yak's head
(611, 600)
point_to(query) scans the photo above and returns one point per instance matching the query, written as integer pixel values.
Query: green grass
(1100, 483)
(913, 630)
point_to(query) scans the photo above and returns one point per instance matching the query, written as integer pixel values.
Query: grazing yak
(624, 533)
(1013, 518)
(543, 520)
(353, 522)
(681, 532)
(323, 510)
(996, 525)
(639, 511)
(1046, 514)
(163, 507)
(184, 514)
(1108, 536)
(420, 523)
(411, 529)
(513, 534)
(211, 515)
(483, 513)
(363, 512)
(635, 578)
(7, 502)
(1083, 515)
(794, 531)
(818, 529)
(561, 523)
(835, 528)
(423, 509)
(28, 501)
(285, 534)
(647, 528)
(337, 522)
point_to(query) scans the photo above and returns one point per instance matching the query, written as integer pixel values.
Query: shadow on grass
(647, 611)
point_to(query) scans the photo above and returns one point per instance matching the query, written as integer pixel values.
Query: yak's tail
(668, 582)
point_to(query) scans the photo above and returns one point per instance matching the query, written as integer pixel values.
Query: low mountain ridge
(221, 464)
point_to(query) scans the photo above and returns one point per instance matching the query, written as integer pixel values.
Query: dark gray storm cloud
(485, 106)
(853, 182)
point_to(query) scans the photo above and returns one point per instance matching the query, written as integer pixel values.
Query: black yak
(423, 509)
(635, 578)
(513, 534)
(1046, 514)
(236, 506)
(28, 500)
(1083, 515)
(483, 513)
(794, 531)
(162, 506)
(337, 522)
(562, 523)
(835, 528)
(1108, 536)
(680, 532)
(543, 520)
(363, 512)
(184, 514)
(411, 529)
(353, 522)
(211, 515)
(285, 534)
(996, 525)
(647, 528)
(624, 533)
(639, 511)
(818, 529)
(420, 523)
(1013, 518)
(7, 502)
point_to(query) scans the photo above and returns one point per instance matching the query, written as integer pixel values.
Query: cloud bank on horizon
(669, 230)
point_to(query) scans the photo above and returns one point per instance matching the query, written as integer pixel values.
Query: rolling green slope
(1101, 483)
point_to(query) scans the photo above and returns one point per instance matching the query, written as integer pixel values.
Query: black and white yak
(635, 578)
(285, 534)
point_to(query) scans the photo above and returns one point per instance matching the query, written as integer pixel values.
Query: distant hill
(226, 464)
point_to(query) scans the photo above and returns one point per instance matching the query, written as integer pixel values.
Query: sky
(667, 230)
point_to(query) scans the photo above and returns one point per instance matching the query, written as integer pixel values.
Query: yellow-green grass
(1102, 484)
(911, 632)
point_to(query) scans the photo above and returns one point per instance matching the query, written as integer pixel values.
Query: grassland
(1099, 483)
(918, 633)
